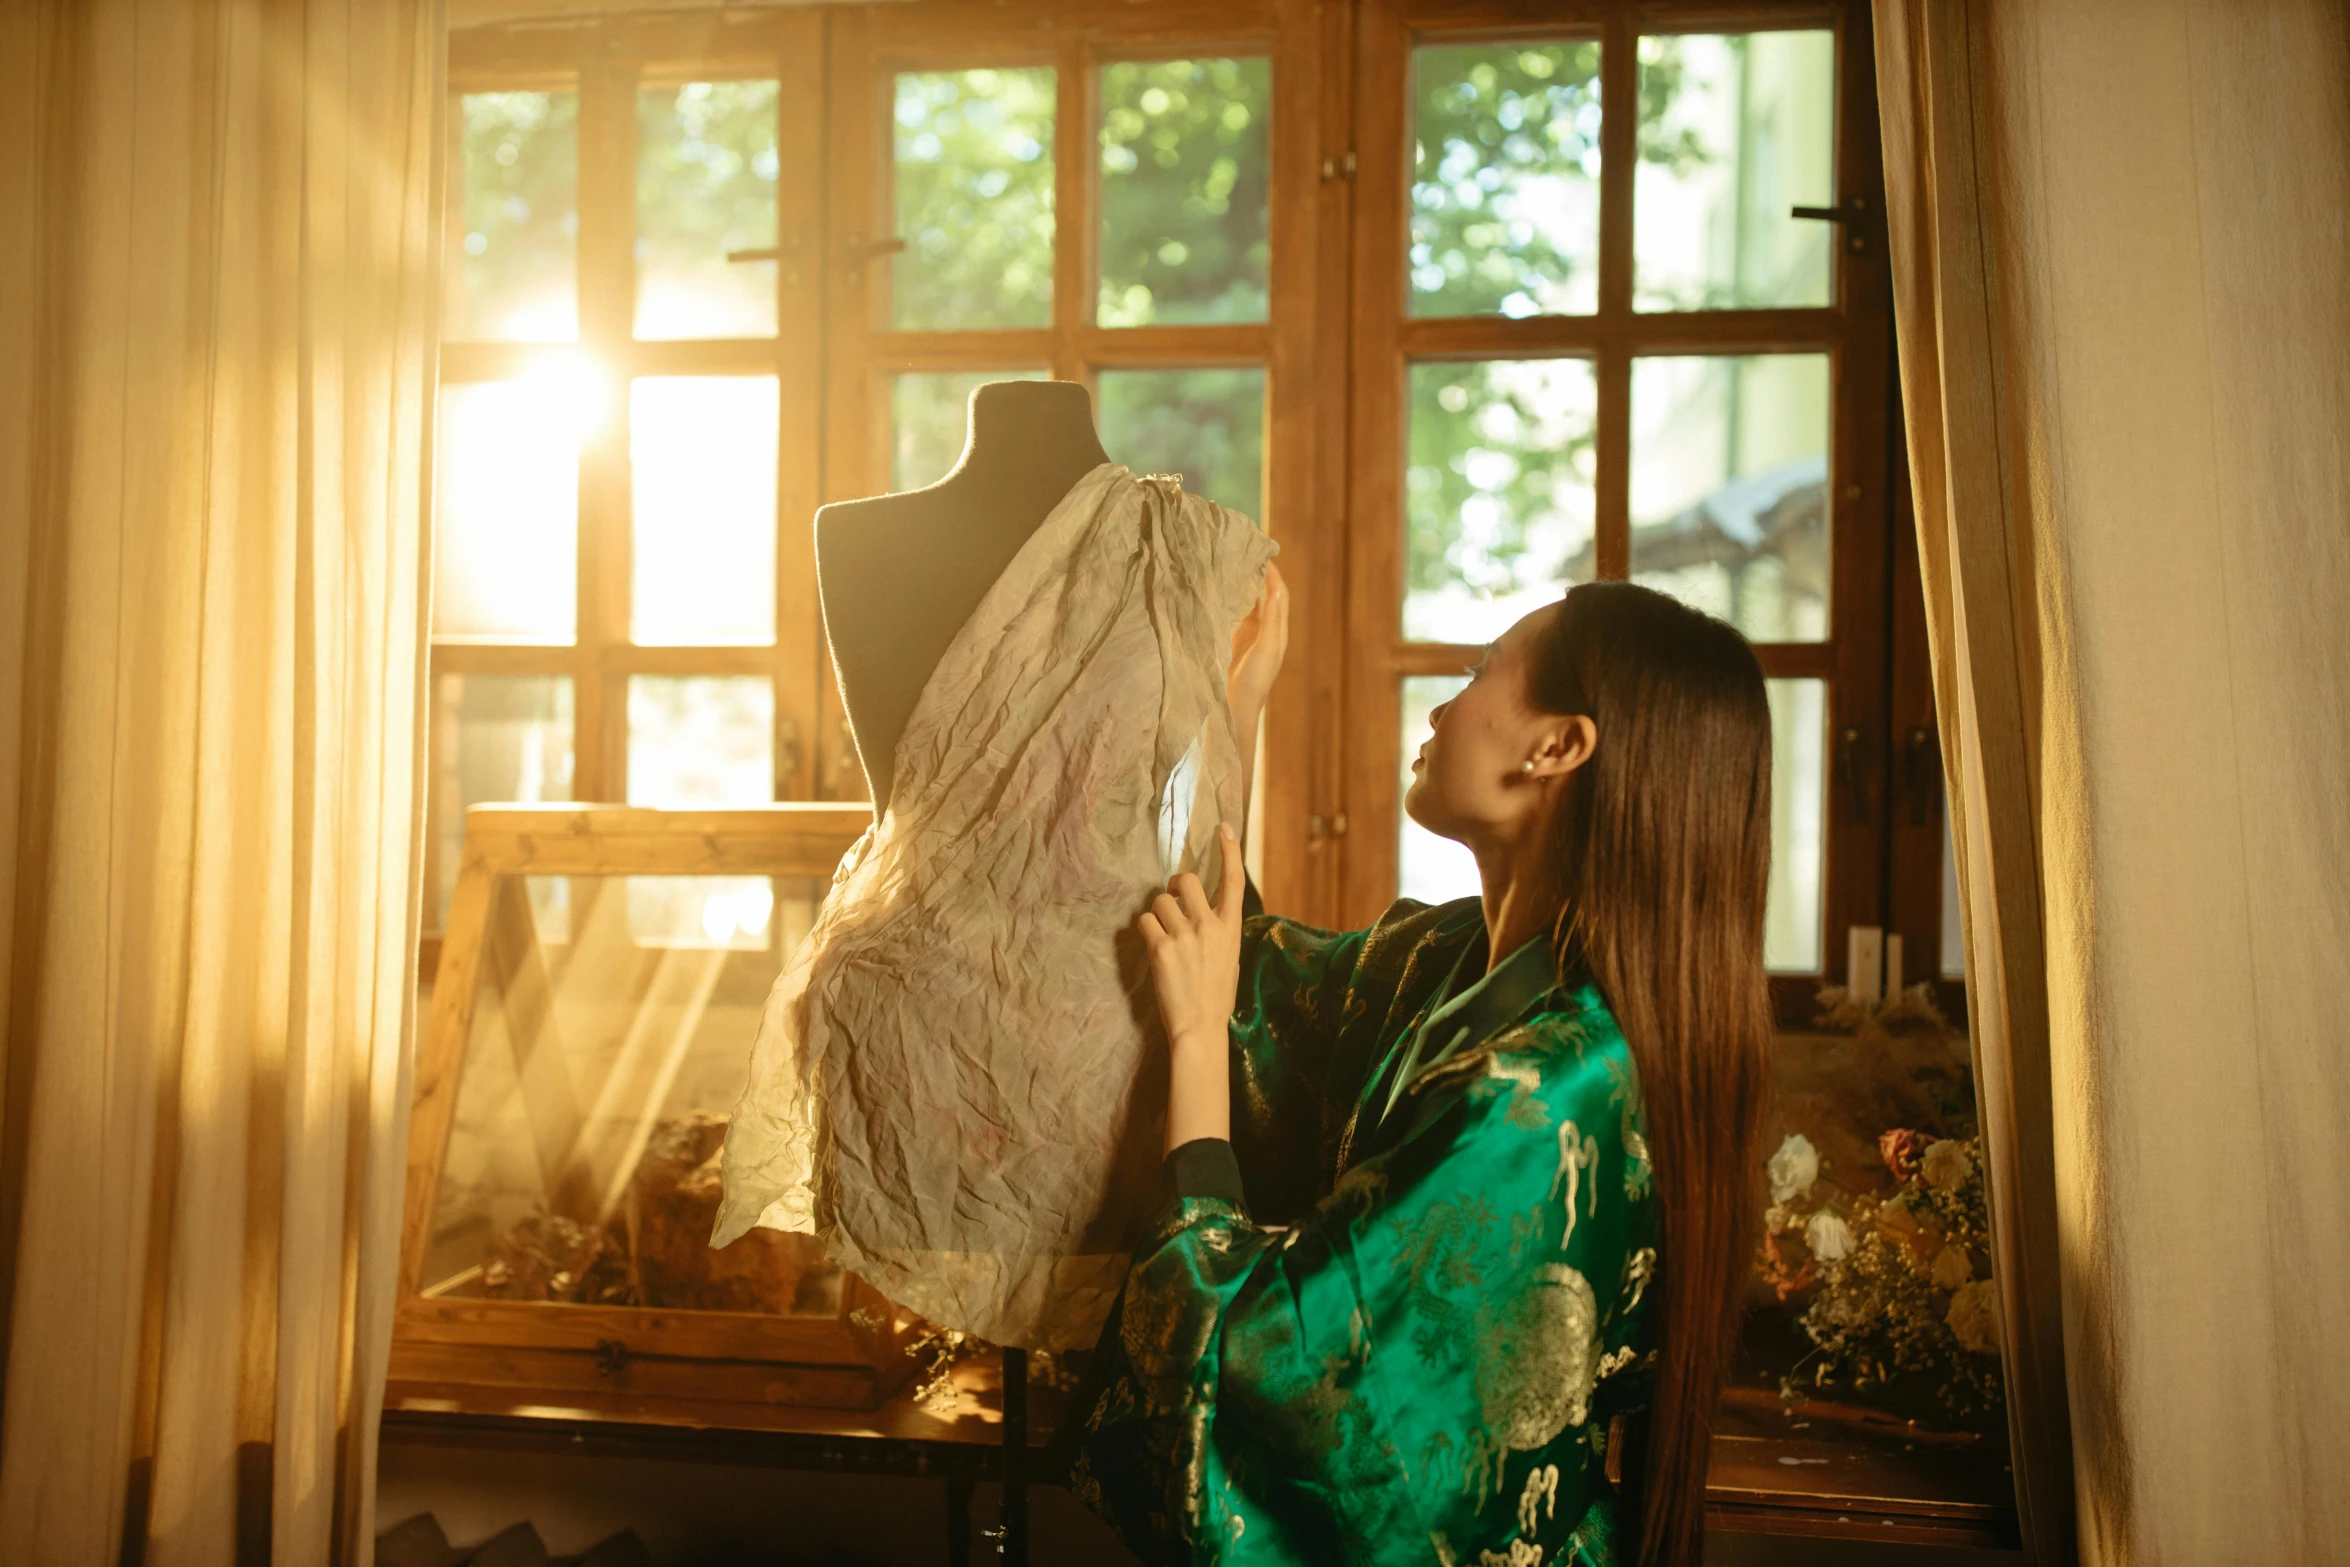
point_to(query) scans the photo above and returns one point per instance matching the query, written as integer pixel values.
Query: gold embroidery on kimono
(1419, 1365)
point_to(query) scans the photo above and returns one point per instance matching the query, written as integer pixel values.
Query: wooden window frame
(1854, 330)
(1334, 352)
(1303, 441)
(605, 61)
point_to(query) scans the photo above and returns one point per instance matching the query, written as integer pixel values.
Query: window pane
(707, 741)
(1799, 805)
(1497, 497)
(705, 187)
(495, 738)
(515, 275)
(1429, 868)
(700, 740)
(505, 527)
(1183, 190)
(1730, 489)
(701, 450)
(975, 199)
(1734, 130)
(1207, 425)
(929, 415)
(1505, 180)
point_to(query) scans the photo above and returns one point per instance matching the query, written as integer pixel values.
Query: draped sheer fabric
(219, 271)
(950, 1083)
(2118, 265)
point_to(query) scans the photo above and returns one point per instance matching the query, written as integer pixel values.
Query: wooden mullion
(859, 206)
(1306, 237)
(952, 33)
(1619, 98)
(698, 356)
(502, 658)
(1750, 16)
(621, 660)
(1375, 493)
(1858, 838)
(607, 302)
(1688, 331)
(797, 360)
(895, 352)
(1248, 343)
(1074, 207)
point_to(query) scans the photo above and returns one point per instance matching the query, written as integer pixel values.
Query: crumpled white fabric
(958, 1082)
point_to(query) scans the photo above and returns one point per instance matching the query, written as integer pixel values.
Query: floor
(693, 1515)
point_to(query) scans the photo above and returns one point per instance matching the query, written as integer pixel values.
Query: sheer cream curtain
(218, 250)
(2122, 277)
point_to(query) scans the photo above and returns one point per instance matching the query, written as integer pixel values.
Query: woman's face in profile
(1469, 781)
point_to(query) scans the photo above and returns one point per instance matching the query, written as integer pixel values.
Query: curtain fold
(219, 281)
(2122, 289)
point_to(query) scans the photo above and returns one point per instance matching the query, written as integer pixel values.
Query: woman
(1454, 1114)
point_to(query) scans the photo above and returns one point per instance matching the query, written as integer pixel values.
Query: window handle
(1848, 772)
(1916, 747)
(1852, 212)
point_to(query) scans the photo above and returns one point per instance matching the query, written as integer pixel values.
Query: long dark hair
(1662, 854)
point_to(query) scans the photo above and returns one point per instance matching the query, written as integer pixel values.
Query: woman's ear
(1566, 744)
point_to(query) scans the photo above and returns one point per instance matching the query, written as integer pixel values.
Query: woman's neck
(1519, 902)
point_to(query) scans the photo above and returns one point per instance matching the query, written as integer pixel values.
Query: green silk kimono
(1392, 1323)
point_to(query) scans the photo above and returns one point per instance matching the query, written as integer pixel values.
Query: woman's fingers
(1228, 892)
(1153, 932)
(1194, 898)
(1171, 916)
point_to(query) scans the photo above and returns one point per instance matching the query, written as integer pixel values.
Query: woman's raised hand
(1195, 966)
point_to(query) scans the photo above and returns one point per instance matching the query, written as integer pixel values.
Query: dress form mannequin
(898, 575)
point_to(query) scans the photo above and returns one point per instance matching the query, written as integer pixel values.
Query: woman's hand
(1259, 644)
(1195, 967)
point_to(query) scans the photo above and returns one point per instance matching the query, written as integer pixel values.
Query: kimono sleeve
(1407, 1373)
(1295, 982)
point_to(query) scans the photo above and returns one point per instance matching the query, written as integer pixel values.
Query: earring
(1527, 766)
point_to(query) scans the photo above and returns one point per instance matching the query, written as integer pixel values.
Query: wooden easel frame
(853, 1360)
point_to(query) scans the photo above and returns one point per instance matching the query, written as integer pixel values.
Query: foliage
(518, 156)
(706, 164)
(1184, 188)
(1208, 425)
(975, 199)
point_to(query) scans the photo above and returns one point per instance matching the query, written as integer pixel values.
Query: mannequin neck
(1024, 425)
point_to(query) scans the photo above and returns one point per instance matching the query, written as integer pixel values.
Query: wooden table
(1771, 1473)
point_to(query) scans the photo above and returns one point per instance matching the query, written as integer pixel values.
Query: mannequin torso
(898, 575)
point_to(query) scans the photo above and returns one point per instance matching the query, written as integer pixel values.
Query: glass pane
(1497, 497)
(515, 273)
(929, 415)
(701, 740)
(707, 741)
(702, 453)
(705, 189)
(1183, 191)
(1799, 813)
(1734, 130)
(1505, 180)
(1207, 425)
(1429, 868)
(1730, 489)
(582, 1162)
(975, 199)
(505, 527)
(1953, 910)
(495, 738)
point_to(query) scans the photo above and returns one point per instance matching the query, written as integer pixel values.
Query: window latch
(1852, 212)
